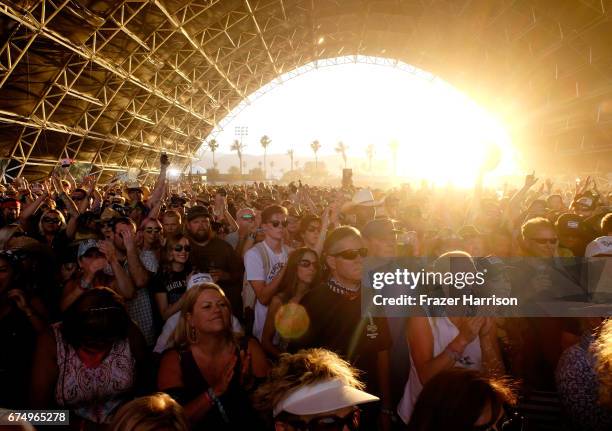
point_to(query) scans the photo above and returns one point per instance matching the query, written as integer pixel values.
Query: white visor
(321, 397)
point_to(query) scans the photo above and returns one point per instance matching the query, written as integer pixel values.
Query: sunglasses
(305, 263)
(512, 421)
(352, 254)
(178, 248)
(247, 217)
(545, 240)
(77, 198)
(277, 223)
(51, 220)
(327, 423)
(313, 229)
(153, 230)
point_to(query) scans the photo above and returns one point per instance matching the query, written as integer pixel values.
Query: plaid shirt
(140, 306)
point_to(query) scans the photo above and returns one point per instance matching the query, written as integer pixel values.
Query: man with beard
(10, 211)
(214, 256)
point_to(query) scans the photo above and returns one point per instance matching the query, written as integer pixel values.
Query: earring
(193, 336)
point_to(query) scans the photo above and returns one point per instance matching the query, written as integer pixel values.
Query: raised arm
(158, 190)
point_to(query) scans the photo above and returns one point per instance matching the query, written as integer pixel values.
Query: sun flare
(442, 136)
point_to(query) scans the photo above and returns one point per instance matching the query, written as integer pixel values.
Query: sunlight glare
(443, 136)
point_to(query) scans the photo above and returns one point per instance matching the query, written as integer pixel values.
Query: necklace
(336, 287)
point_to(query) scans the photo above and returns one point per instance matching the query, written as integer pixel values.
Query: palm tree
(341, 148)
(394, 145)
(237, 146)
(265, 141)
(370, 154)
(212, 146)
(316, 146)
(290, 154)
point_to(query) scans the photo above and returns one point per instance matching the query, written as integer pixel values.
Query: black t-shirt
(336, 324)
(172, 283)
(220, 255)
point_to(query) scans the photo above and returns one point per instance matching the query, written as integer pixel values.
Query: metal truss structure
(114, 83)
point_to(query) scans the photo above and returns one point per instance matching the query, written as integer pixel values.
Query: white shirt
(254, 267)
(443, 332)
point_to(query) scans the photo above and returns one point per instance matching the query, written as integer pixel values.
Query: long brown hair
(171, 242)
(289, 282)
(462, 395)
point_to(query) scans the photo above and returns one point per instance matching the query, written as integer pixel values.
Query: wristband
(453, 354)
(217, 403)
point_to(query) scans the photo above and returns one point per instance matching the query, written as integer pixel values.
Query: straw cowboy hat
(363, 198)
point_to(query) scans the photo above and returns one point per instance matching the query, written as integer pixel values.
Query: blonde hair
(602, 350)
(182, 337)
(49, 211)
(300, 369)
(158, 412)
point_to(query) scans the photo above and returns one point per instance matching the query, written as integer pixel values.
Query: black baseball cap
(197, 211)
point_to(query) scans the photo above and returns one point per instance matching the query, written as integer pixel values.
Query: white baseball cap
(599, 246)
(321, 397)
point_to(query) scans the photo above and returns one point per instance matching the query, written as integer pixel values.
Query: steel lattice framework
(114, 83)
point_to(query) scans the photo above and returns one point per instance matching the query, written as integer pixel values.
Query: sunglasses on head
(178, 248)
(277, 223)
(545, 240)
(327, 423)
(305, 263)
(51, 220)
(352, 254)
(153, 230)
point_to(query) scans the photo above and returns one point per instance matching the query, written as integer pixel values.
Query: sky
(442, 134)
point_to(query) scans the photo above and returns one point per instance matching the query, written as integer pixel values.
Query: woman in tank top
(90, 363)
(211, 372)
(441, 343)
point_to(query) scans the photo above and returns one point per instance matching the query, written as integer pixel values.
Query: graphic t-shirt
(255, 271)
(172, 283)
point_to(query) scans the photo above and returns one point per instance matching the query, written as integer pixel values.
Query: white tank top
(443, 332)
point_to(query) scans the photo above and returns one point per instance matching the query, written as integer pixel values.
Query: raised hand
(128, 239)
(18, 297)
(108, 248)
(221, 387)
(530, 180)
(470, 328)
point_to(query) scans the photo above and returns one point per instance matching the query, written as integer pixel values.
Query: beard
(200, 235)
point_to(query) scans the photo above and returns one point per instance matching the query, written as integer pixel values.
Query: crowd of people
(208, 307)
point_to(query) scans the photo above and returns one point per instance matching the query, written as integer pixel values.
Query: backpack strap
(261, 248)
